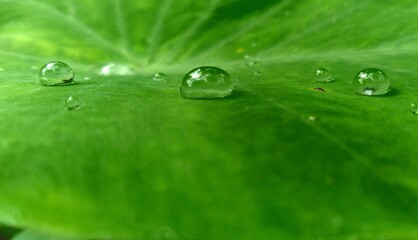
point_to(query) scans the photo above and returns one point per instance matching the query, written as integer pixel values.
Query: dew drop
(206, 82)
(371, 82)
(323, 75)
(312, 118)
(73, 103)
(56, 73)
(113, 69)
(249, 60)
(414, 108)
(160, 77)
(256, 74)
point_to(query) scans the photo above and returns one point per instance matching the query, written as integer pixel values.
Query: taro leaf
(279, 159)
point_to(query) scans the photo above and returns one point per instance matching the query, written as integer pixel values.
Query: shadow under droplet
(391, 93)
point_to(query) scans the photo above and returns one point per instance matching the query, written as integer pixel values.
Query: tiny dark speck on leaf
(319, 89)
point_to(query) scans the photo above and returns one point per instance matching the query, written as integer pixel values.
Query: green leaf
(276, 160)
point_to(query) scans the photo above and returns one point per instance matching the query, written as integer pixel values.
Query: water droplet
(256, 74)
(113, 69)
(371, 82)
(312, 118)
(56, 73)
(323, 75)
(160, 77)
(206, 82)
(86, 78)
(249, 60)
(73, 103)
(414, 108)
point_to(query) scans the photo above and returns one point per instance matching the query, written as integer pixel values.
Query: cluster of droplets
(368, 82)
(203, 82)
(212, 82)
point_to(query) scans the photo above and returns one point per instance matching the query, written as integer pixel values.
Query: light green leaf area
(276, 160)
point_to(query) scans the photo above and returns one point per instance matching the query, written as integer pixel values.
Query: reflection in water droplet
(323, 75)
(160, 77)
(414, 108)
(206, 82)
(73, 103)
(56, 73)
(249, 60)
(113, 69)
(371, 82)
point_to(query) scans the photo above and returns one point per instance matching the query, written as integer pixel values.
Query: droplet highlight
(73, 103)
(371, 82)
(414, 108)
(312, 118)
(56, 73)
(160, 77)
(250, 60)
(113, 69)
(323, 75)
(207, 82)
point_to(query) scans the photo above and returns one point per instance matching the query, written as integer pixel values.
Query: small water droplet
(371, 82)
(256, 74)
(323, 75)
(312, 118)
(414, 108)
(206, 82)
(86, 78)
(250, 60)
(160, 77)
(56, 73)
(73, 103)
(113, 69)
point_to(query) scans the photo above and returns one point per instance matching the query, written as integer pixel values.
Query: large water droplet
(113, 69)
(206, 82)
(371, 82)
(56, 73)
(414, 108)
(73, 103)
(250, 60)
(160, 77)
(323, 75)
